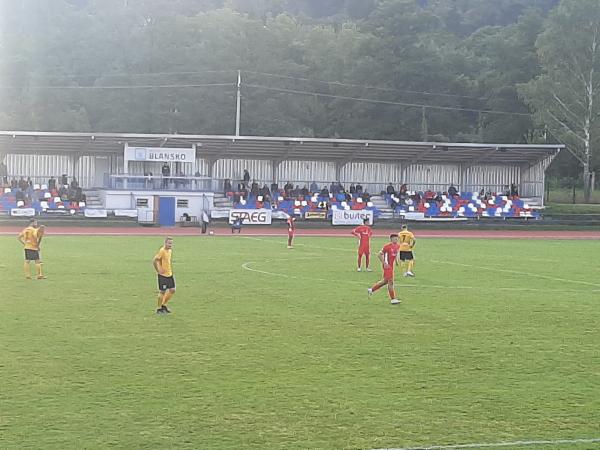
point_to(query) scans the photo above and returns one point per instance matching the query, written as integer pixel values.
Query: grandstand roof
(278, 148)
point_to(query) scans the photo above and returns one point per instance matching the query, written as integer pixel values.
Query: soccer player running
(291, 223)
(387, 256)
(363, 233)
(407, 242)
(164, 269)
(31, 238)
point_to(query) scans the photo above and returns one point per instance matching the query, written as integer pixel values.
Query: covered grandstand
(99, 163)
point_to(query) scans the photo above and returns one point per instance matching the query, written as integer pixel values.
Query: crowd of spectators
(24, 192)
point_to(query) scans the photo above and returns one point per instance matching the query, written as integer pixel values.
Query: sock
(38, 267)
(392, 293)
(26, 270)
(167, 297)
(411, 264)
(160, 299)
(379, 285)
(290, 241)
(367, 260)
(359, 261)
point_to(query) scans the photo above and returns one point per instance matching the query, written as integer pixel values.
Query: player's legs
(290, 239)
(411, 265)
(38, 266)
(368, 260)
(391, 290)
(161, 295)
(360, 255)
(168, 294)
(379, 285)
(27, 269)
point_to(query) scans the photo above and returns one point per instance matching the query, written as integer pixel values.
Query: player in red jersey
(387, 256)
(364, 233)
(291, 223)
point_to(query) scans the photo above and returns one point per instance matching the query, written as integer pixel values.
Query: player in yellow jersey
(31, 238)
(407, 242)
(166, 282)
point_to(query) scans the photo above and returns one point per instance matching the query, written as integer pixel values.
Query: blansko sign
(160, 154)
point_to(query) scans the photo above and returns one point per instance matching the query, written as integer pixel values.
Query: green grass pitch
(496, 340)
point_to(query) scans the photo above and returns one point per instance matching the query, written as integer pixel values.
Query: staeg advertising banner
(251, 216)
(343, 217)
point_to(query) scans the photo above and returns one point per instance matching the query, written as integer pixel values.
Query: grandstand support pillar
(461, 177)
(338, 170)
(75, 158)
(275, 170)
(125, 164)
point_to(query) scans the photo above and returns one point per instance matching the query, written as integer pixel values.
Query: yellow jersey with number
(406, 240)
(30, 236)
(164, 259)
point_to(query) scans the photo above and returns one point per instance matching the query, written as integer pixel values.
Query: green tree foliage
(393, 69)
(566, 95)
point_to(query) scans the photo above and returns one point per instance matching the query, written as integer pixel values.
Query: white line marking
(500, 444)
(246, 266)
(517, 272)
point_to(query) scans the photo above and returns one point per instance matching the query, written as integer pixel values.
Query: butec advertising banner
(344, 217)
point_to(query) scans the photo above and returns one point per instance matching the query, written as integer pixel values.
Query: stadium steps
(381, 204)
(93, 199)
(222, 203)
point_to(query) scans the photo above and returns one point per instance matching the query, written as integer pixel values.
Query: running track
(324, 232)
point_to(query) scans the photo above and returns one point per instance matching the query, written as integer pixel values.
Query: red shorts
(363, 250)
(290, 233)
(388, 274)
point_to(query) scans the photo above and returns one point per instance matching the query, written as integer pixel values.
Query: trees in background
(464, 70)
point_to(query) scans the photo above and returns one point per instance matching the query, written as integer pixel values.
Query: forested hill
(461, 70)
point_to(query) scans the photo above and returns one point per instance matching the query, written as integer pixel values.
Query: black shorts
(166, 283)
(406, 256)
(32, 255)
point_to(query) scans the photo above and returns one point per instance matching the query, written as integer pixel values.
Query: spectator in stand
(13, 183)
(514, 192)
(166, 173)
(403, 189)
(274, 189)
(254, 188)
(20, 196)
(333, 188)
(313, 187)
(52, 183)
(288, 189)
(266, 193)
(304, 191)
(226, 186)
(63, 193)
(390, 189)
(295, 192)
(352, 189)
(79, 195)
(64, 180)
(359, 189)
(23, 184)
(366, 196)
(452, 191)
(246, 176)
(74, 183)
(29, 183)
(3, 170)
(324, 192)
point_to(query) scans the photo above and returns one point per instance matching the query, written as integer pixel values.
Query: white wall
(128, 199)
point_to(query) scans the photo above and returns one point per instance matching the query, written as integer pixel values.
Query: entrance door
(166, 211)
